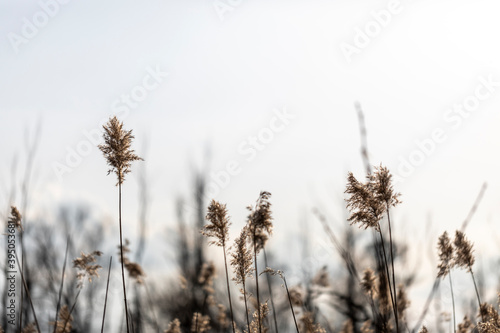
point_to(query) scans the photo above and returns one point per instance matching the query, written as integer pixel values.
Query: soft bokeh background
(229, 69)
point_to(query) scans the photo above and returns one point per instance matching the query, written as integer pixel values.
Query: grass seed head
(117, 148)
(463, 251)
(241, 258)
(445, 255)
(86, 268)
(368, 201)
(260, 224)
(218, 227)
(15, 218)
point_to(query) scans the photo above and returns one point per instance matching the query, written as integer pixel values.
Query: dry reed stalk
(282, 276)
(119, 156)
(242, 265)
(445, 264)
(260, 226)
(368, 202)
(218, 228)
(270, 292)
(106, 297)
(62, 281)
(27, 292)
(465, 259)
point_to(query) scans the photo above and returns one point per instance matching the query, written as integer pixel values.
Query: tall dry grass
(371, 295)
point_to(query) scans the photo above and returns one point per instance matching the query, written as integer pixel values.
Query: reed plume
(202, 323)
(465, 259)
(15, 218)
(367, 203)
(64, 324)
(242, 265)
(119, 156)
(134, 269)
(218, 229)
(86, 268)
(292, 298)
(260, 226)
(174, 326)
(446, 262)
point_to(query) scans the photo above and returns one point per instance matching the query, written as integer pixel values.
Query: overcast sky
(266, 90)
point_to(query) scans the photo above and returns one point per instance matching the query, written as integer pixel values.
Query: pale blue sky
(226, 79)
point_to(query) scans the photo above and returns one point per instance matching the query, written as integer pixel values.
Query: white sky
(226, 78)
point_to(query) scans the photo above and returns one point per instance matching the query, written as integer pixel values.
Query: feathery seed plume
(241, 258)
(463, 251)
(117, 148)
(86, 268)
(445, 255)
(218, 227)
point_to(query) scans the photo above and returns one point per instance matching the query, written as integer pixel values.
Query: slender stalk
(392, 264)
(246, 305)
(106, 297)
(71, 311)
(271, 293)
(388, 277)
(28, 293)
(62, 282)
(453, 302)
(228, 289)
(257, 282)
(291, 306)
(121, 253)
(477, 294)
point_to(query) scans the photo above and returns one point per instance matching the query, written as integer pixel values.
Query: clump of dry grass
(119, 156)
